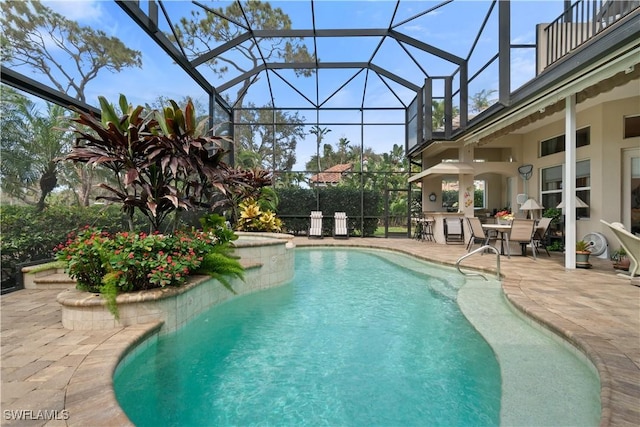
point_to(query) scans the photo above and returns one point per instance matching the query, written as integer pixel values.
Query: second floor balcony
(580, 23)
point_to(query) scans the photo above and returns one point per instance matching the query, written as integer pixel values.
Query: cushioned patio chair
(478, 234)
(315, 227)
(630, 243)
(522, 231)
(340, 227)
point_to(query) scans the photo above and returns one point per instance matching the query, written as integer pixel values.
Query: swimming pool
(357, 338)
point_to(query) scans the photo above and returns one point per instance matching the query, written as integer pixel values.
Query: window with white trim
(557, 144)
(552, 183)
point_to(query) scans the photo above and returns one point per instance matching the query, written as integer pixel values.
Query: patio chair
(630, 243)
(340, 228)
(522, 231)
(540, 235)
(478, 234)
(315, 228)
(453, 231)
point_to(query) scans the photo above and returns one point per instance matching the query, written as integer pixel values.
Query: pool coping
(89, 398)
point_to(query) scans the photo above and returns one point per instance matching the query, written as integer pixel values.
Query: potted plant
(582, 254)
(504, 217)
(553, 213)
(620, 259)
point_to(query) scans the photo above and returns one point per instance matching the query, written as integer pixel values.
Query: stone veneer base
(268, 259)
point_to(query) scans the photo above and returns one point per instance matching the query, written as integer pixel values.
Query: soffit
(444, 168)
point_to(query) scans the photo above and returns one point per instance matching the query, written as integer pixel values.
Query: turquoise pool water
(353, 340)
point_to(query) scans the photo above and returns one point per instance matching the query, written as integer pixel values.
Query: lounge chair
(340, 228)
(315, 227)
(522, 231)
(630, 243)
(478, 234)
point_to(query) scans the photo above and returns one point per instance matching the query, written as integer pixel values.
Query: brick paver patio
(53, 376)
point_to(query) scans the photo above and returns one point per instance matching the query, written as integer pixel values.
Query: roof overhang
(444, 168)
(618, 67)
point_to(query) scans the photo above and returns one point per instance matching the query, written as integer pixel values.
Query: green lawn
(380, 231)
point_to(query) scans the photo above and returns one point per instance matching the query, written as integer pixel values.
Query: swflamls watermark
(30, 414)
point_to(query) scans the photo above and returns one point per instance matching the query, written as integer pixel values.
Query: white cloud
(415, 29)
(82, 11)
(523, 68)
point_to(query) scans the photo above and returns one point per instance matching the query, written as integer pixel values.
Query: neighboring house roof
(332, 175)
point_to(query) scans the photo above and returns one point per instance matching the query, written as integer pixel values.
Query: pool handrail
(475, 251)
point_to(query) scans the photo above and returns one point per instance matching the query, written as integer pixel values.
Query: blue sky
(452, 28)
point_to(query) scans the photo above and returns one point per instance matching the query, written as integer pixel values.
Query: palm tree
(343, 143)
(480, 101)
(31, 144)
(319, 133)
(437, 111)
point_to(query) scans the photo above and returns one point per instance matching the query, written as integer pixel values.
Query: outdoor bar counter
(438, 226)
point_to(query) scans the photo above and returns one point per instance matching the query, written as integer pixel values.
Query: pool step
(443, 288)
(54, 281)
(247, 265)
(53, 278)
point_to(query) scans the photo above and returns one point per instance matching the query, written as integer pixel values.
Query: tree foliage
(438, 114)
(320, 134)
(31, 142)
(256, 144)
(392, 161)
(46, 41)
(206, 30)
(480, 101)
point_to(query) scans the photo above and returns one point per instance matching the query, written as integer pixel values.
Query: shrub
(29, 235)
(556, 246)
(219, 264)
(126, 262)
(296, 205)
(252, 218)
(218, 225)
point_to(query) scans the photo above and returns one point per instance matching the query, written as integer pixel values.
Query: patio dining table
(503, 232)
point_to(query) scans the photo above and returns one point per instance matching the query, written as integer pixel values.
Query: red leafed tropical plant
(163, 161)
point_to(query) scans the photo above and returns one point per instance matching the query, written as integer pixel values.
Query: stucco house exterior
(574, 128)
